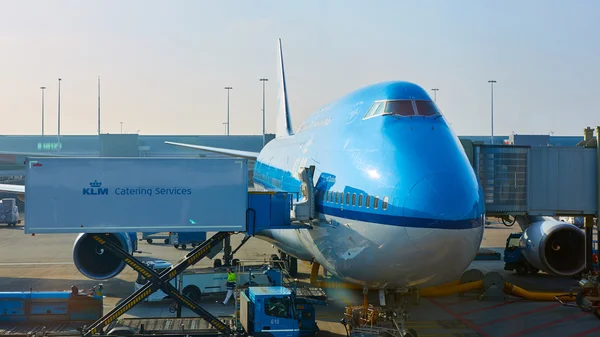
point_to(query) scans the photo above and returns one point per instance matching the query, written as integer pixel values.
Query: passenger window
(353, 199)
(385, 203)
(375, 202)
(368, 202)
(400, 108)
(277, 307)
(372, 109)
(360, 200)
(426, 108)
(347, 198)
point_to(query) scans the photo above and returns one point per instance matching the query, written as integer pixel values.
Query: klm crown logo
(95, 183)
(95, 189)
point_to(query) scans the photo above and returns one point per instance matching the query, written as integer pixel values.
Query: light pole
(228, 88)
(43, 88)
(492, 85)
(264, 128)
(59, 113)
(98, 105)
(264, 80)
(435, 94)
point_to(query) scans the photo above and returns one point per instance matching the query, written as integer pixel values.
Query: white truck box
(110, 195)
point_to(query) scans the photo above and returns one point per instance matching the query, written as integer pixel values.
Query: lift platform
(156, 282)
(137, 195)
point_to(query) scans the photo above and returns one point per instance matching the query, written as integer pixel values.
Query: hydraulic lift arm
(156, 281)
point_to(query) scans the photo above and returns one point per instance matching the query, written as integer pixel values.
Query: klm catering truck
(148, 195)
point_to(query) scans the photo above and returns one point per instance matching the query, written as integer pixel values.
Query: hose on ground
(509, 288)
(449, 290)
(453, 288)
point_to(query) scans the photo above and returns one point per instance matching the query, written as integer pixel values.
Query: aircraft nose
(445, 196)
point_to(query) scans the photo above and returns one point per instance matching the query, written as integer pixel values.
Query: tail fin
(284, 120)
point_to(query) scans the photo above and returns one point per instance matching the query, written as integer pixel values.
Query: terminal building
(12, 169)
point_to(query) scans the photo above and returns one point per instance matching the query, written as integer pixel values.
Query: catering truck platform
(153, 195)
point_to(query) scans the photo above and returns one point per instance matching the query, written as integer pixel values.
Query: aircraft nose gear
(398, 313)
(369, 321)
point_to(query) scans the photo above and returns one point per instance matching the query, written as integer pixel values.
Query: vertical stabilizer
(284, 120)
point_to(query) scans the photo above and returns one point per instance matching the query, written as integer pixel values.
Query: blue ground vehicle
(49, 307)
(513, 257)
(182, 239)
(277, 311)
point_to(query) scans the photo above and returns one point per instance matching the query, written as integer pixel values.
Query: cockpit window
(401, 108)
(375, 109)
(426, 108)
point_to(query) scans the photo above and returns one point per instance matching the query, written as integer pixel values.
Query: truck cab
(513, 257)
(275, 311)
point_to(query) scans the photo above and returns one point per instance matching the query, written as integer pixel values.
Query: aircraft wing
(19, 189)
(229, 152)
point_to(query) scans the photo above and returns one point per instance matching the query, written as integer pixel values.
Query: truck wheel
(217, 263)
(149, 241)
(235, 262)
(183, 246)
(192, 292)
(292, 266)
(176, 246)
(167, 241)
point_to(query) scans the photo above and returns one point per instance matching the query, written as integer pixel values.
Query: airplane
(398, 202)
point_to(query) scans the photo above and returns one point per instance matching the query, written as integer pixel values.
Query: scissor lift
(248, 211)
(159, 281)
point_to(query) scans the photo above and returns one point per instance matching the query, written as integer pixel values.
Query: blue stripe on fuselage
(354, 212)
(401, 221)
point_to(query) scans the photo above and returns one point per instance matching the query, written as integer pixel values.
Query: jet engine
(94, 260)
(555, 247)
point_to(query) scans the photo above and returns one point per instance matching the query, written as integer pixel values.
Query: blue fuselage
(389, 187)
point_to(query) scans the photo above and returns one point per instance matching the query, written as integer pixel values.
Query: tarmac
(44, 263)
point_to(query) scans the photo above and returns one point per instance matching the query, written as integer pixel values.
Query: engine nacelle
(95, 261)
(555, 247)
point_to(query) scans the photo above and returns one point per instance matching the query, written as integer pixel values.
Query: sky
(164, 64)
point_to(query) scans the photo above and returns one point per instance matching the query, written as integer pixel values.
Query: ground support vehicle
(513, 257)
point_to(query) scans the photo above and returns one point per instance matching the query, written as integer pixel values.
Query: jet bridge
(537, 181)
